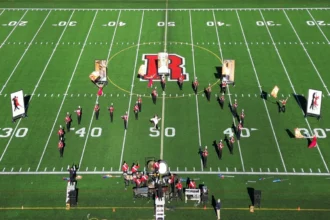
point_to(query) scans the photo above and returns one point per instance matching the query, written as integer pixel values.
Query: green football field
(49, 50)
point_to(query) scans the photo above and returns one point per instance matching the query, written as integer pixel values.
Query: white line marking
(131, 92)
(67, 89)
(26, 50)
(194, 69)
(2, 12)
(257, 77)
(35, 88)
(97, 97)
(178, 172)
(162, 128)
(293, 89)
(310, 59)
(220, 50)
(13, 29)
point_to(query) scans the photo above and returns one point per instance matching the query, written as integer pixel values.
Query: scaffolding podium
(160, 208)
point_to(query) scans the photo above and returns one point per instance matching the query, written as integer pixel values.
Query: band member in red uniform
(135, 168)
(163, 82)
(156, 166)
(205, 155)
(111, 109)
(125, 167)
(239, 130)
(61, 147)
(136, 111)
(61, 133)
(223, 87)
(140, 103)
(154, 95)
(68, 121)
(178, 187)
(234, 108)
(222, 100)
(97, 110)
(220, 147)
(144, 178)
(137, 181)
(283, 102)
(231, 142)
(100, 91)
(79, 114)
(192, 184)
(242, 117)
(195, 85)
(125, 118)
(151, 82)
(208, 91)
(180, 81)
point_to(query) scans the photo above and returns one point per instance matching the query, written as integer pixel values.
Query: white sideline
(194, 69)
(310, 59)
(131, 92)
(238, 142)
(287, 74)
(67, 89)
(259, 85)
(13, 29)
(36, 86)
(25, 51)
(97, 98)
(168, 9)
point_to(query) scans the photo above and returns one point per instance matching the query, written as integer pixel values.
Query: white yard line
(259, 85)
(256, 174)
(318, 26)
(310, 59)
(2, 11)
(194, 69)
(97, 97)
(36, 86)
(131, 92)
(13, 29)
(165, 34)
(169, 9)
(287, 74)
(66, 91)
(25, 51)
(220, 50)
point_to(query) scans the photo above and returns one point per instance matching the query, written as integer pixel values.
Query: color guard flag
(313, 143)
(297, 133)
(100, 92)
(275, 91)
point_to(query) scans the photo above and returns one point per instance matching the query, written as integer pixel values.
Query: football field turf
(50, 52)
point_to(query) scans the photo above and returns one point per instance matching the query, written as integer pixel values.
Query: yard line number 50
(7, 132)
(169, 132)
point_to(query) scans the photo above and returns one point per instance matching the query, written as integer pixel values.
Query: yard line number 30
(7, 132)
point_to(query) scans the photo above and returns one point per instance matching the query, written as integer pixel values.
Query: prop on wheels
(100, 75)
(17, 105)
(228, 71)
(314, 103)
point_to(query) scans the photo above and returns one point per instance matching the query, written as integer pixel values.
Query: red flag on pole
(100, 92)
(313, 143)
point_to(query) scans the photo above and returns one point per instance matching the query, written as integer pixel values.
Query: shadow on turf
(250, 191)
(218, 73)
(264, 95)
(228, 144)
(291, 135)
(302, 102)
(26, 103)
(216, 149)
(214, 204)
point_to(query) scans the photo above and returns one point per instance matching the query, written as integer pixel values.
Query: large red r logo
(176, 66)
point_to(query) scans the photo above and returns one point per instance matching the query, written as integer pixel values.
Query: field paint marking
(194, 69)
(132, 86)
(2, 11)
(13, 29)
(287, 74)
(26, 50)
(162, 128)
(165, 32)
(35, 88)
(310, 59)
(168, 9)
(318, 26)
(67, 89)
(221, 55)
(177, 172)
(259, 85)
(97, 97)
